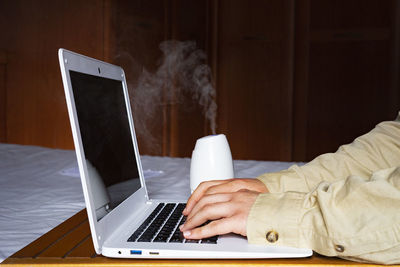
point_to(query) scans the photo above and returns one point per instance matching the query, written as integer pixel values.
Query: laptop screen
(107, 141)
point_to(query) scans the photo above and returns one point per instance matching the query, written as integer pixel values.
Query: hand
(227, 203)
(223, 186)
(228, 212)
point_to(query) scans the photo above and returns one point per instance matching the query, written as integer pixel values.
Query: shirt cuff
(274, 220)
(295, 219)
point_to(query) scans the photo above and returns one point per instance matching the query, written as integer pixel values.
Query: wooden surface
(71, 243)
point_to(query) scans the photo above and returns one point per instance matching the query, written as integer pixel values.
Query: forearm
(356, 218)
(378, 149)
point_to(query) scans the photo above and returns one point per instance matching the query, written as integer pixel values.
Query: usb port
(136, 252)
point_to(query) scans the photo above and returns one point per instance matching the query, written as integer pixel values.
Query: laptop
(124, 221)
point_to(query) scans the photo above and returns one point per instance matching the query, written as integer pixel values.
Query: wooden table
(70, 243)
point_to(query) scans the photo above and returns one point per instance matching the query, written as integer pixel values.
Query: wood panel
(293, 79)
(139, 27)
(168, 120)
(37, 112)
(255, 77)
(350, 59)
(301, 81)
(3, 97)
(349, 89)
(189, 23)
(351, 14)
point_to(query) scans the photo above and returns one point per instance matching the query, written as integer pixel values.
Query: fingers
(221, 209)
(227, 186)
(211, 211)
(198, 194)
(219, 227)
(222, 221)
(206, 200)
(223, 186)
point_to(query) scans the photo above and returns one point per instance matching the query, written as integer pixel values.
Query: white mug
(211, 160)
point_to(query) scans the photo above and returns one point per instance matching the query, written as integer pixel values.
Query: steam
(184, 69)
(181, 72)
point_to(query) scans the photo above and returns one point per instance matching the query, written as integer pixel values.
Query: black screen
(106, 135)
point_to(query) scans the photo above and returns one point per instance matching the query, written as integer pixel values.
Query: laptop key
(170, 230)
(144, 239)
(211, 240)
(162, 239)
(192, 241)
(143, 226)
(177, 239)
(169, 226)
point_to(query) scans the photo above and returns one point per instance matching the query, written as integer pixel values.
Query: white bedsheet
(40, 188)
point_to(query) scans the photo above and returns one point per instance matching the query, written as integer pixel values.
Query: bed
(40, 188)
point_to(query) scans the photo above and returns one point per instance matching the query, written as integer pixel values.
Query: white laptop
(124, 222)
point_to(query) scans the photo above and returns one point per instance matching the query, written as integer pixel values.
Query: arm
(378, 149)
(339, 204)
(355, 218)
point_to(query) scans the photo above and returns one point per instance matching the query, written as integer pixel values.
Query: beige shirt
(344, 204)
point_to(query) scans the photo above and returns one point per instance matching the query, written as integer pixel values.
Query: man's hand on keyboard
(226, 203)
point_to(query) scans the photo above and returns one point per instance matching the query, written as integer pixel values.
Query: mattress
(40, 188)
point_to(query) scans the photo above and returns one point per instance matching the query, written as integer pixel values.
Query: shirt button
(339, 248)
(272, 236)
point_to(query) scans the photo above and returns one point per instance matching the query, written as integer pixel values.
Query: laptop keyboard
(162, 225)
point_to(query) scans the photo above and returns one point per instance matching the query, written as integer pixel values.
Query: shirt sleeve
(356, 218)
(378, 149)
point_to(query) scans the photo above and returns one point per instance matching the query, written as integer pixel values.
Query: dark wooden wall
(3, 96)
(294, 78)
(32, 32)
(255, 77)
(346, 71)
